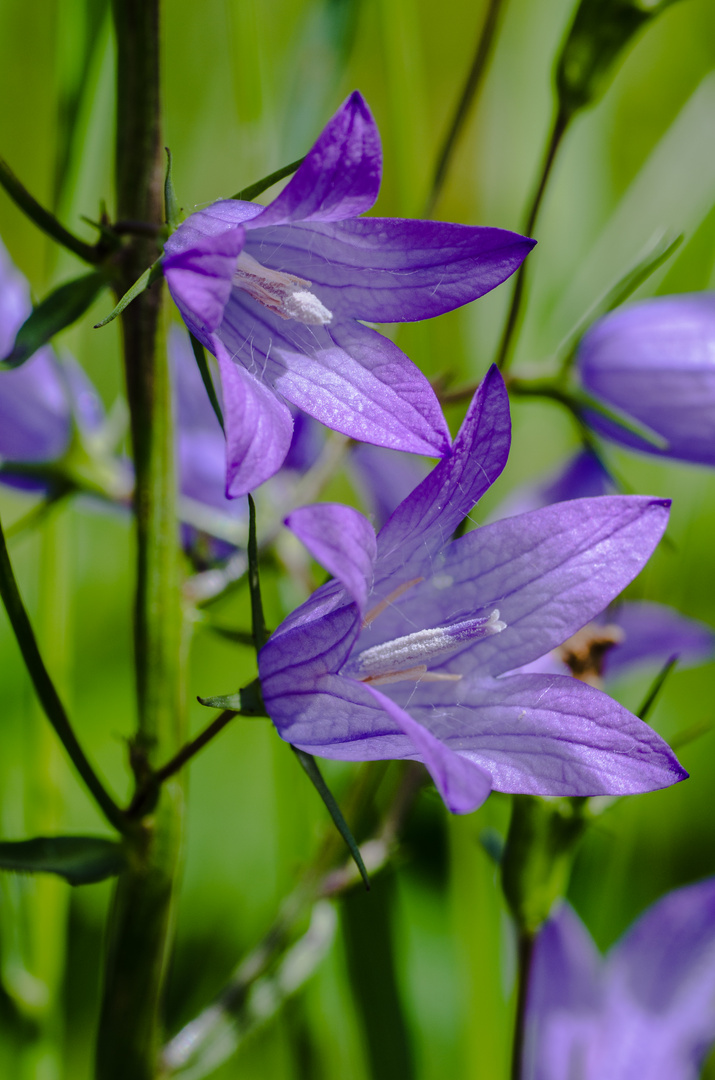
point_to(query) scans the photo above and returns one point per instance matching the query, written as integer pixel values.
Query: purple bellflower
(404, 654)
(276, 292)
(646, 1011)
(655, 361)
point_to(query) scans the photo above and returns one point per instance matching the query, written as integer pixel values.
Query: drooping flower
(276, 293)
(655, 361)
(645, 1011)
(403, 655)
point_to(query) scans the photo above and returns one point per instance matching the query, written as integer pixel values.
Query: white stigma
(407, 657)
(285, 294)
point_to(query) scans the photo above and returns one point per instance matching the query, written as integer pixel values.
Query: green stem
(558, 131)
(526, 953)
(141, 917)
(469, 92)
(46, 692)
(44, 219)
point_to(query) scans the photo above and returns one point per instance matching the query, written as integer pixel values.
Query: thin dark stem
(557, 133)
(205, 372)
(192, 748)
(258, 622)
(526, 953)
(469, 93)
(44, 219)
(46, 692)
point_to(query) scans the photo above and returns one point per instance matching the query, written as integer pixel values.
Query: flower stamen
(285, 295)
(407, 657)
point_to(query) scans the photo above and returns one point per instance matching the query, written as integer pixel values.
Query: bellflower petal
(201, 279)
(546, 735)
(259, 427)
(282, 289)
(349, 377)
(656, 362)
(394, 672)
(340, 176)
(392, 269)
(463, 785)
(644, 1011)
(342, 540)
(548, 572)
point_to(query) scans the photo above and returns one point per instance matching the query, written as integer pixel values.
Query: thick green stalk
(141, 915)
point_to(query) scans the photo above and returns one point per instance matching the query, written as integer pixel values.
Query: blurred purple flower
(655, 361)
(435, 623)
(644, 1012)
(276, 293)
(583, 476)
(40, 402)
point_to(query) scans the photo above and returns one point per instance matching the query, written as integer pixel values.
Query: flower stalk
(141, 915)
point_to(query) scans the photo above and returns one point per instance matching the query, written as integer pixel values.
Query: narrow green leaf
(583, 400)
(150, 275)
(655, 254)
(311, 767)
(241, 637)
(248, 194)
(43, 218)
(172, 211)
(205, 372)
(60, 309)
(655, 687)
(258, 622)
(80, 860)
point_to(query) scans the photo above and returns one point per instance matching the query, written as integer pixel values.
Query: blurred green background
(419, 981)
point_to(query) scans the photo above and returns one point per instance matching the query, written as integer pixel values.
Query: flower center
(284, 294)
(406, 658)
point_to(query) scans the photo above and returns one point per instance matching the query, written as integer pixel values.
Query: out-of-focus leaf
(150, 275)
(81, 860)
(60, 309)
(600, 32)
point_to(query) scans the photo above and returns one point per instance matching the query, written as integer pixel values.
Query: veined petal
(340, 176)
(545, 735)
(548, 572)
(463, 785)
(258, 427)
(426, 519)
(342, 540)
(347, 376)
(200, 278)
(391, 269)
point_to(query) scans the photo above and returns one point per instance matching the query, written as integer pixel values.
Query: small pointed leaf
(80, 860)
(248, 194)
(584, 401)
(205, 372)
(60, 309)
(311, 767)
(150, 275)
(223, 701)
